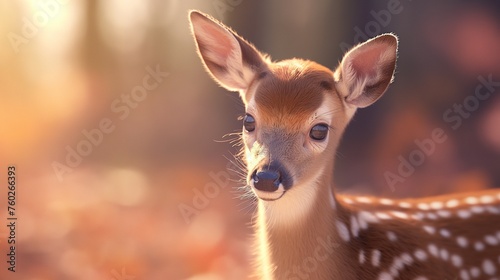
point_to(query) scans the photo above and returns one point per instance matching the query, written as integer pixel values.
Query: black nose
(267, 180)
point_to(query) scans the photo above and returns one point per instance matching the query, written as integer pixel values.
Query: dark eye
(249, 123)
(319, 132)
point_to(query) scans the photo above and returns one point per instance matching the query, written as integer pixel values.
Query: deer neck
(297, 238)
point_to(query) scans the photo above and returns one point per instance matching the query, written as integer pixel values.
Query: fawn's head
(296, 110)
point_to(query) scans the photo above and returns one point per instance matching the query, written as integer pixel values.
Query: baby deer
(296, 112)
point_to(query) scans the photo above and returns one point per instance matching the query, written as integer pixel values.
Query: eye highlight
(319, 132)
(249, 123)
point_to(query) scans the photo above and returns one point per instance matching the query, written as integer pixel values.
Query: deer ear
(367, 70)
(230, 60)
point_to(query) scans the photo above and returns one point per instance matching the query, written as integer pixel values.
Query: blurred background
(117, 132)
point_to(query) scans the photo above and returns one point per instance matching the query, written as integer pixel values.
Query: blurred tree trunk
(95, 55)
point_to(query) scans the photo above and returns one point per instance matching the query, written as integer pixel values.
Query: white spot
(475, 272)
(444, 213)
(363, 224)
(364, 218)
(492, 209)
(400, 215)
(462, 241)
(464, 214)
(407, 258)
(429, 229)
(405, 204)
(498, 235)
(431, 216)
(386, 201)
(420, 254)
(423, 206)
(479, 246)
(383, 216)
(444, 254)
(445, 233)
(396, 266)
(456, 260)
(471, 200)
(343, 231)
(418, 216)
(392, 236)
(477, 209)
(376, 257)
(464, 274)
(348, 200)
(332, 202)
(354, 226)
(452, 203)
(362, 257)
(491, 240)
(363, 199)
(486, 199)
(489, 267)
(433, 250)
(385, 276)
(436, 205)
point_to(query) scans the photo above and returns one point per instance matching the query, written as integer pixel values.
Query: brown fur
(293, 88)
(292, 230)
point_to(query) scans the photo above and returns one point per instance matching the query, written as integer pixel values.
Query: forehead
(292, 88)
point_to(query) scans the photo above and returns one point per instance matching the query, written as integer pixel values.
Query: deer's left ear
(367, 70)
(230, 60)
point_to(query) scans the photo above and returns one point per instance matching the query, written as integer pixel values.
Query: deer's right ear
(230, 60)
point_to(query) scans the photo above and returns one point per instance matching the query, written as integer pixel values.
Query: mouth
(268, 195)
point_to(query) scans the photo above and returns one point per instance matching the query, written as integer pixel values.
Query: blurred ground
(118, 179)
